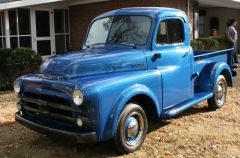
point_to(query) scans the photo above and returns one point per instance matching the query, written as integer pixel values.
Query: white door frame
(35, 39)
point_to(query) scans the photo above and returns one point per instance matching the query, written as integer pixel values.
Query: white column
(196, 24)
(52, 32)
(33, 29)
(7, 29)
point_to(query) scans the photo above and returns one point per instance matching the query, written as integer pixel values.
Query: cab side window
(170, 32)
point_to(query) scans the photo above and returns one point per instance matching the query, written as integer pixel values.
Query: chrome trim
(50, 104)
(134, 128)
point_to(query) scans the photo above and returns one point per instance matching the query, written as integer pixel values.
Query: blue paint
(110, 75)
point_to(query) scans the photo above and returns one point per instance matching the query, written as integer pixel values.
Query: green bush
(5, 83)
(197, 45)
(22, 61)
(4, 56)
(210, 43)
(223, 42)
(16, 62)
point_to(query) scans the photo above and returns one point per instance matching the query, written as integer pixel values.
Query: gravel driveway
(196, 133)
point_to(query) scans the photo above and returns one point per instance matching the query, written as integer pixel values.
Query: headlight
(77, 97)
(17, 87)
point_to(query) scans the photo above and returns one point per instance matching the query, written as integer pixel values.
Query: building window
(61, 22)
(42, 24)
(20, 28)
(2, 31)
(170, 32)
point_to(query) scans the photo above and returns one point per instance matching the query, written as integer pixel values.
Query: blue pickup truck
(136, 63)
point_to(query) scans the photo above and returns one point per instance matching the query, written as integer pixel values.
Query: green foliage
(210, 43)
(223, 42)
(16, 62)
(4, 56)
(5, 83)
(23, 60)
(197, 45)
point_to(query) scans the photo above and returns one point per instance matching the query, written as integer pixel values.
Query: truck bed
(201, 58)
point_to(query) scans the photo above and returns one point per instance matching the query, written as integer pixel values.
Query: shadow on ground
(19, 141)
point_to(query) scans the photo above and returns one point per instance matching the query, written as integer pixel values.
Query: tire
(131, 129)
(220, 95)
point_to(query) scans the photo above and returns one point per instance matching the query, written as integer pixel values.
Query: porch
(214, 14)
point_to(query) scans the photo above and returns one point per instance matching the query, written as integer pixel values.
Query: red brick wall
(81, 15)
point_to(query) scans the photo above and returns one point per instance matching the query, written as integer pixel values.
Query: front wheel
(131, 129)
(220, 95)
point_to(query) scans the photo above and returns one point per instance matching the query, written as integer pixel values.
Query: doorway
(44, 41)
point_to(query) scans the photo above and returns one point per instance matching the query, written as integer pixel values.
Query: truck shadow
(155, 124)
(69, 148)
(106, 149)
(194, 110)
(18, 141)
(100, 150)
(31, 143)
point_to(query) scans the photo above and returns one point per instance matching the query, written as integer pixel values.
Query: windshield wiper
(125, 44)
(88, 46)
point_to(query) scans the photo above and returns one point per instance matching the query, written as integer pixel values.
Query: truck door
(175, 61)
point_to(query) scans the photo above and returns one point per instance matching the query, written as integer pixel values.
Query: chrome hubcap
(134, 128)
(221, 93)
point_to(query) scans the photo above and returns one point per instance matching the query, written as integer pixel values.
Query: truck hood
(94, 61)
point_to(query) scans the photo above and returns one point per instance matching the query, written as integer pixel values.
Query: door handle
(186, 53)
(156, 56)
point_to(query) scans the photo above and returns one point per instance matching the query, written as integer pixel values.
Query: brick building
(54, 26)
(86, 12)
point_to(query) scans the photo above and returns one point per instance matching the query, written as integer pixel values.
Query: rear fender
(209, 75)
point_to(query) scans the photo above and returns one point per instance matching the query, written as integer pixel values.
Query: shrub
(16, 62)
(197, 45)
(4, 56)
(210, 43)
(22, 61)
(223, 42)
(5, 83)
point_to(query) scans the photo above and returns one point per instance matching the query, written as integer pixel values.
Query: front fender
(125, 96)
(209, 75)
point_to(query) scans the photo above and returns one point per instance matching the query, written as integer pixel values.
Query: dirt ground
(196, 133)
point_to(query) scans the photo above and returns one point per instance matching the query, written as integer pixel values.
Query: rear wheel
(131, 130)
(220, 95)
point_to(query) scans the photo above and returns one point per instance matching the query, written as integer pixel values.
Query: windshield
(119, 30)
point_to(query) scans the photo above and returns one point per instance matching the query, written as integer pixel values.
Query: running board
(198, 97)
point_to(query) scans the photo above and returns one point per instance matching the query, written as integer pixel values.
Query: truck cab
(136, 63)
